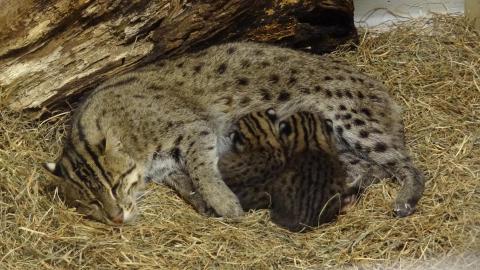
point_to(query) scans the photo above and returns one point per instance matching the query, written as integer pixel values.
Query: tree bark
(51, 51)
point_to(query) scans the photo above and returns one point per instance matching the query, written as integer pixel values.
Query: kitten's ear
(237, 141)
(53, 169)
(271, 114)
(285, 128)
(328, 126)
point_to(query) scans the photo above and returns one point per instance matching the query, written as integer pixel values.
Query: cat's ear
(53, 169)
(111, 144)
(114, 157)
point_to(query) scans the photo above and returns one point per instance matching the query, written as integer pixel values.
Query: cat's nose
(118, 219)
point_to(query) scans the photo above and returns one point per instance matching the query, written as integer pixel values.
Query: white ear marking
(51, 166)
(271, 112)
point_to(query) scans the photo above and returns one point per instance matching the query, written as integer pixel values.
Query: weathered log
(53, 50)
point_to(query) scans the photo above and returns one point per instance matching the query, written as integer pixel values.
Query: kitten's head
(256, 149)
(100, 182)
(257, 130)
(304, 131)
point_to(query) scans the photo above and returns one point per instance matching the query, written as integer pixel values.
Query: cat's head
(101, 182)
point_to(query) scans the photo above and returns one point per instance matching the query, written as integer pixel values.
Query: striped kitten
(307, 182)
(166, 121)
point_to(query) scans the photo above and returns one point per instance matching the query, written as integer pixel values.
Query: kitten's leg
(256, 196)
(182, 184)
(201, 161)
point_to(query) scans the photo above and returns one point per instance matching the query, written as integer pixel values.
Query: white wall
(381, 13)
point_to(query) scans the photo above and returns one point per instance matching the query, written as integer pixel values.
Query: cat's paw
(226, 205)
(403, 209)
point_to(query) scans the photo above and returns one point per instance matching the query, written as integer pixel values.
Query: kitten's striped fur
(307, 190)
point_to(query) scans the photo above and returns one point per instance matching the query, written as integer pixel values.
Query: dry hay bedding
(435, 78)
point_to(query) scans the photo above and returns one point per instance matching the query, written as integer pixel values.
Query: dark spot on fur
(354, 111)
(338, 93)
(245, 63)
(366, 112)
(360, 95)
(283, 96)
(348, 126)
(138, 96)
(360, 80)
(348, 94)
(197, 68)
(265, 94)
(221, 69)
(337, 116)
(327, 78)
(380, 147)
(363, 134)
(347, 116)
(304, 90)
(339, 130)
(376, 130)
(245, 101)
(293, 71)
(374, 97)
(264, 64)
(180, 65)
(179, 83)
(231, 50)
(328, 93)
(274, 78)
(342, 107)
(242, 81)
(355, 161)
(358, 146)
(169, 124)
(282, 58)
(204, 133)
(353, 79)
(176, 154)
(292, 81)
(358, 122)
(178, 140)
(391, 163)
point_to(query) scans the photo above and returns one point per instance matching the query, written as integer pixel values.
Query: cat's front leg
(181, 182)
(199, 153)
